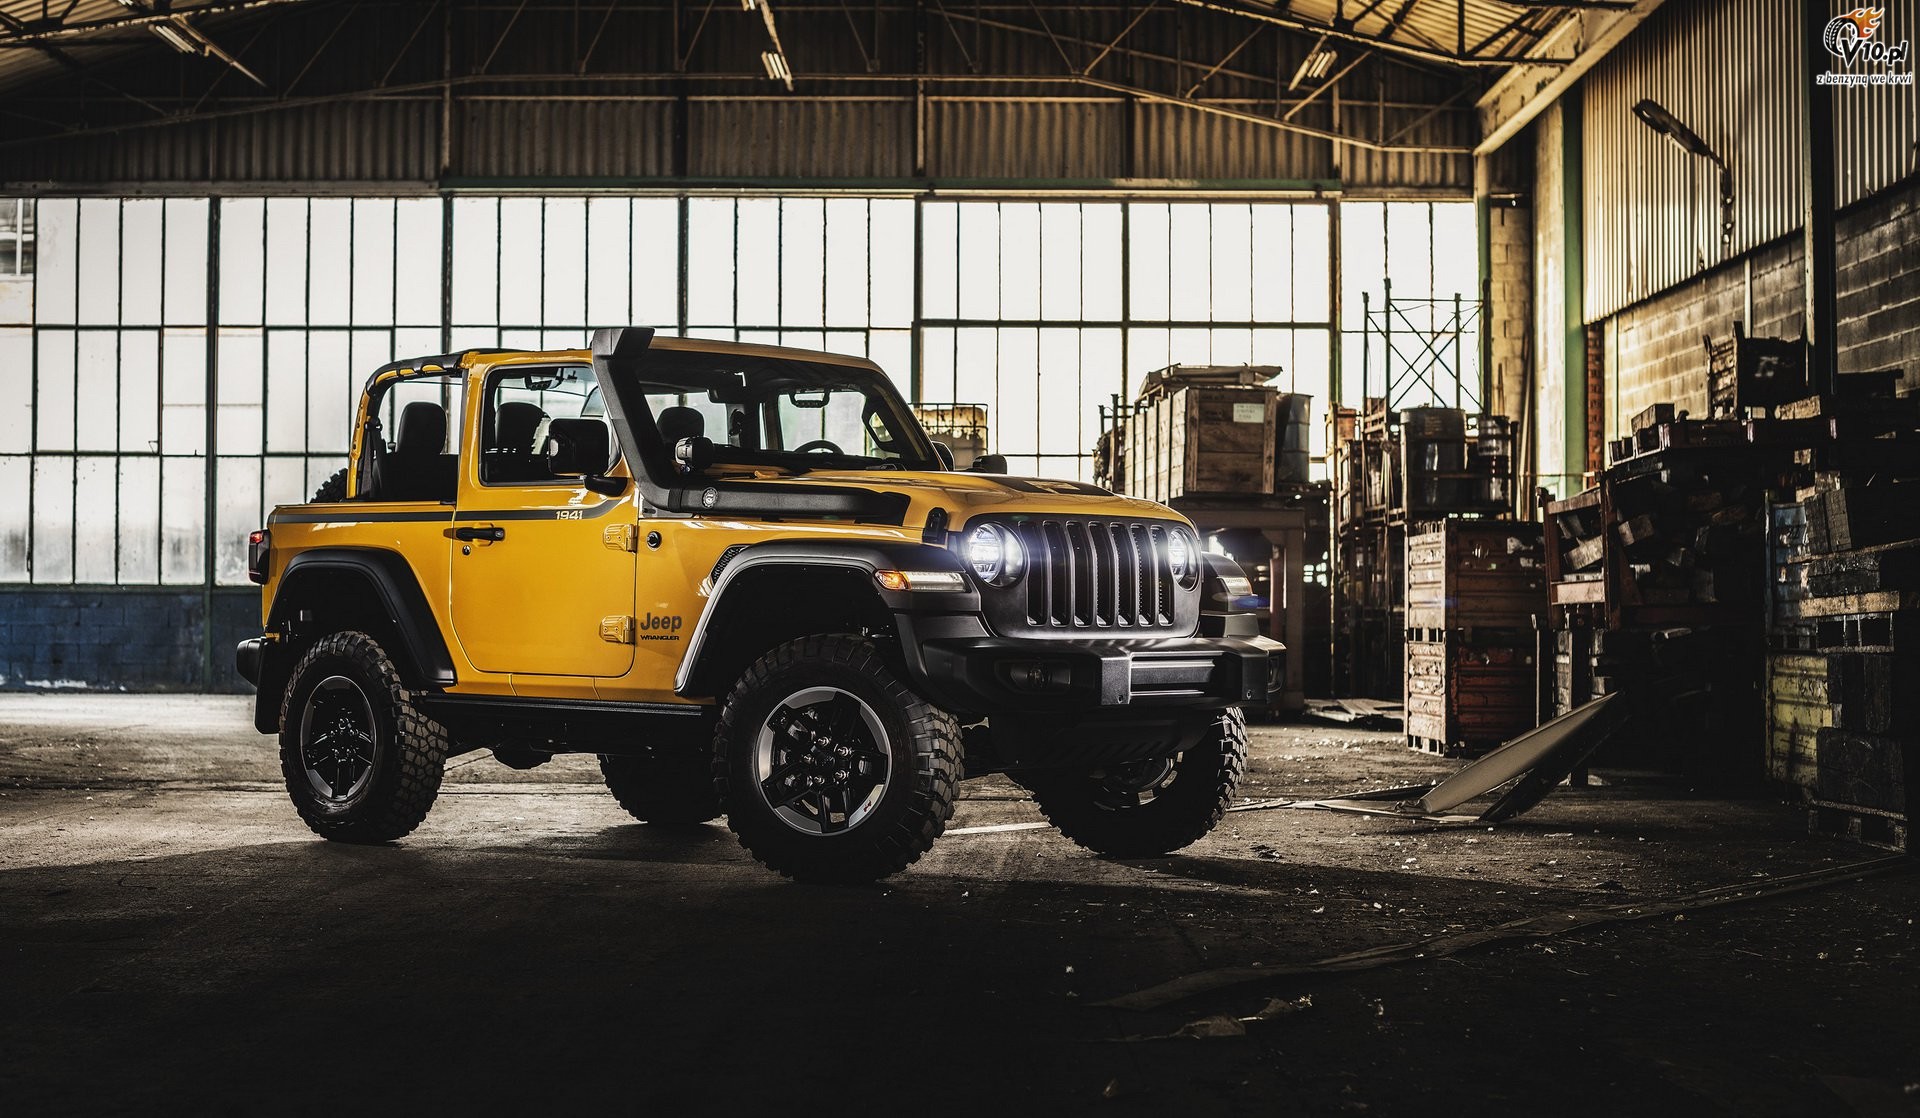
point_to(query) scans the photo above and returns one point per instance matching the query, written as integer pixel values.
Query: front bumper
(984, 674)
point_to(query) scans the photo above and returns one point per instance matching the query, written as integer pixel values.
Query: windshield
(721, 409)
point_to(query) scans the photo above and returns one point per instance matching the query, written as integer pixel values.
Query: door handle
(490, 533)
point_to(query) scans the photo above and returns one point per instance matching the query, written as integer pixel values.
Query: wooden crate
(1215, 441)
(1465, 574)
(1798, 708)
(1469, 695)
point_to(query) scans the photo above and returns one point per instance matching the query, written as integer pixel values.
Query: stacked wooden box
(1797, 704)
(1475, 591)
(1862, 607)
(1213, 432)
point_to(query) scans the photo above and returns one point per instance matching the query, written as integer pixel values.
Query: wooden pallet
(1864, 825)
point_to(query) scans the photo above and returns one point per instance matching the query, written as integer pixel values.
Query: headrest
(514, 424)
(680, 423)
(422, 429)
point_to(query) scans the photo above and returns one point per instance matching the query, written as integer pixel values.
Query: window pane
(1190, 291)
(1060, 264)
(847, 262)
(940, 259)
(565, 263)
(656, 263)
(139, 392)
(979, 260)
(802, 262)
(242, 275)
(16, 393)
(330, 262)
(892, 262)
(237, 512)
(183, 392)
(1273, 263)
(94, 495)
(16, 474)
(521, 249)
(286, 257)
(1101, 245)
(286, 391)
(239, 419)
(757, 251)
(1148, 260)
(373, 244)
(186, 266)
(610, 273)
(53, 409)
(100, 261)
(57, 261)
(140, 270)
(710, 261)
(1019, 260)
(183, 520)
(53, 518)
(417, 269)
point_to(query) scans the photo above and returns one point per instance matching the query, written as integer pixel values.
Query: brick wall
(117, 639)
(1656, 345)
(1509, 306)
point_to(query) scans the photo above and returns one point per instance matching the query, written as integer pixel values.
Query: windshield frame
(740, 378)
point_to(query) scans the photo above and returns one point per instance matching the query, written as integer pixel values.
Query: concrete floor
(172, 939)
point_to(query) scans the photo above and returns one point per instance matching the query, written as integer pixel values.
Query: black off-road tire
(1182, 811)
(923, 744)
(408, 749)
(671, 785)
(332, 489)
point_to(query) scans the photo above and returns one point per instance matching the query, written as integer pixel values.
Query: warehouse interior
(1530, 359)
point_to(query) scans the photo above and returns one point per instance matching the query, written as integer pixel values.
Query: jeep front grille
(1097, 574)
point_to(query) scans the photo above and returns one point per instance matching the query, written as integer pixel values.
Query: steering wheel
(827, 445)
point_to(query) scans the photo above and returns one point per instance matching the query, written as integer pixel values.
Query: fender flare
(422, 656)
(805, 558)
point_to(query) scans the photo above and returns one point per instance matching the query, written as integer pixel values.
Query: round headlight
(1182, 563)
(995, 555)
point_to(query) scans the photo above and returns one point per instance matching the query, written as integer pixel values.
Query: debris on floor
(1222, 1026)
(1530, 928)
(1368, 714)
(1533, 763)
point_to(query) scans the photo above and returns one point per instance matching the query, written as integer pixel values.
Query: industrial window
(1425, 256)
(1047, 312)
(173, 368)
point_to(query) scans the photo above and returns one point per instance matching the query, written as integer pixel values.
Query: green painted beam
(1573, 284)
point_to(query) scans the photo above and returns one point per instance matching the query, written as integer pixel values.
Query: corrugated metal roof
(1485, 26)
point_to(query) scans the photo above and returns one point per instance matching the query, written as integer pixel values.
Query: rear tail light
(259, 547)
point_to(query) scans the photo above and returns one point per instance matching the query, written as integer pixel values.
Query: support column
(1817, 202)
(1573, 286)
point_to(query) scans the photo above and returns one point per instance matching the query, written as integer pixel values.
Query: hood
(965, 495)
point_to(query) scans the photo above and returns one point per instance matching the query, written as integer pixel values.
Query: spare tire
(332, 489)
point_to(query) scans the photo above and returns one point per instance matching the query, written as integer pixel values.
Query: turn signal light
(921, 580)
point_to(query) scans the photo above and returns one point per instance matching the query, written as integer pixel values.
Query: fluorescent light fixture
(776, 65)
(1315, 66)
(174, 39)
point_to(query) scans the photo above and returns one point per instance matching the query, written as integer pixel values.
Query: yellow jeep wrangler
(746, 578)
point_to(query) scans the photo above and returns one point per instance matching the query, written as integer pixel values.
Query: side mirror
(944, 454)
(989, 464)
(579, 448)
